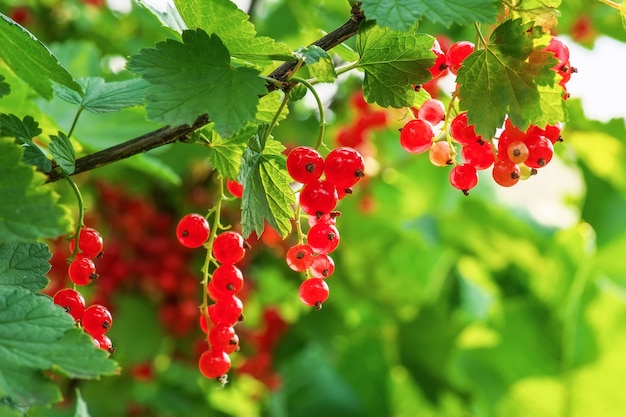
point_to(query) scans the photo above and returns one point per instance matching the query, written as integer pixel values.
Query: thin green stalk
(80, 110)
(81, 215)
(346, 68)
(320, 107)
(209, 253)
(480, 35)
(277, 114)
(612, 4)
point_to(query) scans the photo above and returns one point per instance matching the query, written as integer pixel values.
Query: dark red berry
(72, 301)
(229, 247)
(82, 270)
(214, 363)
(305, 164)
(192, 230)
(323, 238)
(89, 243)
(344, 167)
(313, 292)
(97, 319)
(318, 198)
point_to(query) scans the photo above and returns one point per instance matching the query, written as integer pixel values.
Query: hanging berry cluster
(514, 155)
(95, 320)
(325, 181)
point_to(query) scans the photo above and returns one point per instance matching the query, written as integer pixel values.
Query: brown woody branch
(168, 134)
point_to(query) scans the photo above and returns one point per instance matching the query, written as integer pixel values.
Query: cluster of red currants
(514, 155)
(342, 168)
(218, 321)
(95, 320)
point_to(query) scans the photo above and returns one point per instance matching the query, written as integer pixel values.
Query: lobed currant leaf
(232, 25)
(31, 60)
(319, 63)
(390, 71)
(63, 152)
(195, 77)
(267, 195)
(167, 14)
(505, 79)
(24, 131)
(402, 14)
(99, 96)
(37, 335)
(24, 265)
(33, 211)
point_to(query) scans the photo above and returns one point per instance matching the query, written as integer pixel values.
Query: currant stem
(81, 215)
(216, 209)
(320, 108)
(275, 118)
(480, 35)
(76, 116)
(612, 4)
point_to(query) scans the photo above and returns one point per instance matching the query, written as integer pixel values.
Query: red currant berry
(192, 230)
(506, 173)
(305, 164)
(203, 323)
(227, 280)
(457, 53)
(72, 301)
(214, 363)
(226, 311)
(323, 238)
(540, 151)
(97, 320)
(439, 65)
(299, 257)
(432, 111)
(416, 136)
(229, 247)
(560, 51)
(323, 266)
(464, 177)
(313, 292)
(318, 198)
(344, 167)
(462, 132)
(89, 242)
(477, 155)
(82, 270)
(440, 155)
(104, 342)
(235, 188)
(223, 338)
(517, 152)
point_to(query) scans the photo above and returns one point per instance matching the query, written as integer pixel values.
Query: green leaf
(393, 62)
(225, 154)
(5, 88)
(24, 131)
(195, 77)
(100, 96)
(24, 265)
(169, 16)
(36, 335)
(269, 106)
(511, 78)
(63, 152)
(231, 24)
(81, 406)
(31, 60)
(319, 63)
(28, 209)
(267, 194)
(402, 14)
(543, 13)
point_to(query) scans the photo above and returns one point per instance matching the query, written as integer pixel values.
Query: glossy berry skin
(323, 266)
(229, 247)
(226, 280)
(323, 238)
(416, 136)
(457, 53)
(560, 51)
(318, 198)
(192, 230)
(517, 152)
(479, 156)
(72, 301)
(97, 320)
(223, 338)
(463, 132)
(82, 270)
(300, 257)
(235, 188)
(344, 167)
(439, 154)
(214, 363)
(305, 164)
(540, 151)
(104, 342)
(313, 292)
(432, 111)
(440, 61)
(506, 173)
(90, 243)
(226, 311)
(463, 177)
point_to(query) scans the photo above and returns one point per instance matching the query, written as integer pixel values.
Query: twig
(168, 134)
